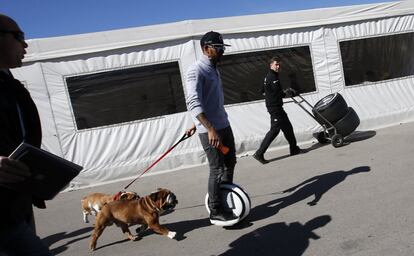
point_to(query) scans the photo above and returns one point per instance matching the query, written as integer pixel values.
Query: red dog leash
(185, 136)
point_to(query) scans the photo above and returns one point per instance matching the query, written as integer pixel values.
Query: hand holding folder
(49, 173)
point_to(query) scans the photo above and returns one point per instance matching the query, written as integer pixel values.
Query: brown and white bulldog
(93, 203)
(145, 211)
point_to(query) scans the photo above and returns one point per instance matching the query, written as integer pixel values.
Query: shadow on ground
(50, 240)
(360, 135)
(287, 239)
(312, 147)
(316, 186)
(184, 227)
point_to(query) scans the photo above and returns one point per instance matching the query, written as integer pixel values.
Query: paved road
(353, 200)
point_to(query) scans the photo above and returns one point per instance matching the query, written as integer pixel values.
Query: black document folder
(50, 173)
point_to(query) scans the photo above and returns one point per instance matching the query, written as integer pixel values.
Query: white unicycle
(234, 199)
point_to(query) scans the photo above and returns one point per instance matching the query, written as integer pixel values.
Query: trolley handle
(290, 92)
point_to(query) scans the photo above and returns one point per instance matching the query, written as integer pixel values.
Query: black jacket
(273, 92)
(16, 204)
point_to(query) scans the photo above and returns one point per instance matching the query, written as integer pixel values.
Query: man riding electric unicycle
(226, 202)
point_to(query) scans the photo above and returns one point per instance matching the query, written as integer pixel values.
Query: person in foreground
(278, 118)
(205, 102)
(19, 122)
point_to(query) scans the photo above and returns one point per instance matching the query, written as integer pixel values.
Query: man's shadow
(315, 186)
(49, 240)
(287, 239)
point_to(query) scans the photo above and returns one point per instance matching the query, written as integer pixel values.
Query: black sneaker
(223, 216)
(260, 158)
(297, 151)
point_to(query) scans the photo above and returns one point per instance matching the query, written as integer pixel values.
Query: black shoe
(223, 216)
(260, 158)
(297, 151)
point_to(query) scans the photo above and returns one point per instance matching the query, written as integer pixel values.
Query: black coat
(273, 92)
(17, 204)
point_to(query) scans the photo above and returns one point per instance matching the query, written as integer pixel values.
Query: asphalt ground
(353, 200)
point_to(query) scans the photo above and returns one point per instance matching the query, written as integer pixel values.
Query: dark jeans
(278, 121)
(21, 240)
(221, 166)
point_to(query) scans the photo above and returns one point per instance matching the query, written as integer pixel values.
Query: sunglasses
(218, 47)
(18, 35)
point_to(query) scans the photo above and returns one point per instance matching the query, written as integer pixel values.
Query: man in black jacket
(19, 121)
(278, 118)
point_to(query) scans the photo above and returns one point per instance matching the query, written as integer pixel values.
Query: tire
(337, 140)
(348, 123)
(239, 199)
(332, 107)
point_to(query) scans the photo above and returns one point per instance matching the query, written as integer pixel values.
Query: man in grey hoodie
(205, 102)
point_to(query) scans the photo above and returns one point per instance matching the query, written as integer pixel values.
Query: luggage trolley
(347, 120)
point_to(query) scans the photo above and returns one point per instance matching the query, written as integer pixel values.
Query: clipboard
(50, 173)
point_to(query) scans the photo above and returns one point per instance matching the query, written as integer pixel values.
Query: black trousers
(278, 121)
(221, 166)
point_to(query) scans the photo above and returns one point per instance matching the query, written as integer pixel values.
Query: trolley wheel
(321, 137)
(337, 140)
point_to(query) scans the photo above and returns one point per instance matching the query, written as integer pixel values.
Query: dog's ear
(154, 196)
(132, 195)
(123, 196)
(118, 195)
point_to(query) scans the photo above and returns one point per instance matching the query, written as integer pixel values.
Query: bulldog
(145, 211)
(93, 203)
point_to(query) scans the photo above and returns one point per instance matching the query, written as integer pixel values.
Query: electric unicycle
(234, 199)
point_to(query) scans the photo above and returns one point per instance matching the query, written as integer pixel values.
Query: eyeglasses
(18, 35)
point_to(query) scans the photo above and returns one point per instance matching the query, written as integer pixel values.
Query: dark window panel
(243, 74)
(119, 96)
(377, 58)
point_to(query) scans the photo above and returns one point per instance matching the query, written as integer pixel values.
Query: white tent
(113, 101)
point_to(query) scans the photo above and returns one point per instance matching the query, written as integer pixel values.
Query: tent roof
(57, 47)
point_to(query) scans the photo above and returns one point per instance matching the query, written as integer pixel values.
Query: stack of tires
(332, 110)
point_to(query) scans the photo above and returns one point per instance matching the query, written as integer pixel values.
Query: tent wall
(121, 151)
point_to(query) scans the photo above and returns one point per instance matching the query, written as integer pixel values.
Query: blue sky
(46, 18)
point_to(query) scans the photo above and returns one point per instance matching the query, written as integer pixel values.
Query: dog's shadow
(181, 227)
(316, 186)
(114, 243)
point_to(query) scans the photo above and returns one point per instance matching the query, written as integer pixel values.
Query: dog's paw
(92, 247)
(134, 238)
(171, 234)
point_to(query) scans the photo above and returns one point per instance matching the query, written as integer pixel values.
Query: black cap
(212, 38)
